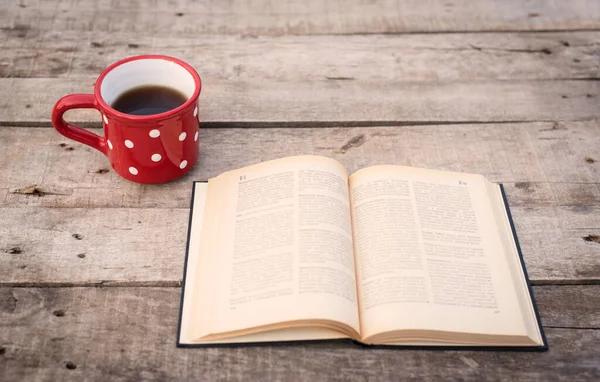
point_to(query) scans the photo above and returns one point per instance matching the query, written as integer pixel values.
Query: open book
(295, 249)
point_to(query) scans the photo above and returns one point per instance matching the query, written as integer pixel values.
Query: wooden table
(91, 264)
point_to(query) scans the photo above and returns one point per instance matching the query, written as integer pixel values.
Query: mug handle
(77, 101)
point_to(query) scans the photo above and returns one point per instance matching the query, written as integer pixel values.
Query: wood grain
(142, 246)
(371, 58)
(313, 17)
(99, 246)
(129, 334)
(572, 306)
(549, 163)
(324, 102)
(365, 68)
(136, 233)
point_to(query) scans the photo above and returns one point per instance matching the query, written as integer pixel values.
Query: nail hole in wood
(525, 186)
(70, 365)
(14, 250)
(592, 238)
(77, 236)
(590, 160)
(81, 255)
(59, 313)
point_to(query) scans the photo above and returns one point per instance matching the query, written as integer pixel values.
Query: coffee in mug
(148, 100)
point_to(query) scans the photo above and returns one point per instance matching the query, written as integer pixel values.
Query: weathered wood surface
(399, 58)
(135, 234)
(551, 161)
(570, 306)
(129, 334)
(299, 79)
(143, 246)
(372, 73)
(325, 102)
(259, 17)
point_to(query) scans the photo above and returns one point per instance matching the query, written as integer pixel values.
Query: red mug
(154, 148)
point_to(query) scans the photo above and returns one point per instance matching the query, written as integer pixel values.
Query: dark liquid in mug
(148, 100)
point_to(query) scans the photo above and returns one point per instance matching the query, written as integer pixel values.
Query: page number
(462, 183)
(242, 178)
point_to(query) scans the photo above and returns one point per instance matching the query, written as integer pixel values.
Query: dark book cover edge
(524, 270)
(185, 264)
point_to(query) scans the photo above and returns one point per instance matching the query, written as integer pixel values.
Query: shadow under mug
(154, 148)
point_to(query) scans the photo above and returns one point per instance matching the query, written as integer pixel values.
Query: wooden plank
(261, 17)
(92, 246)
(382, 58)
(129, 334)
(574, 306)
(146, 246)
(336, 102)
(550, 162)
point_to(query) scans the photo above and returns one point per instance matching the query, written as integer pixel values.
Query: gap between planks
(303, 124)
(460, 31)
(44, 192)
(570, 327)
(177, 284)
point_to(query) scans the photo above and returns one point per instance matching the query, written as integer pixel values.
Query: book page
(187, 319)
(429, 254)
(277, 249)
